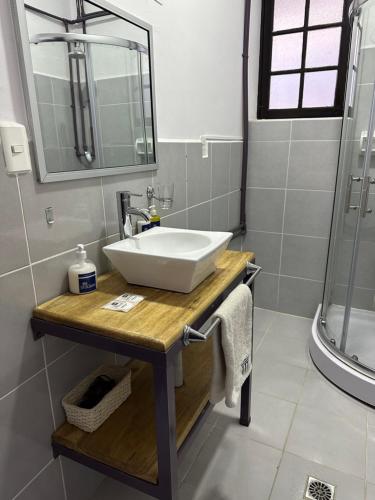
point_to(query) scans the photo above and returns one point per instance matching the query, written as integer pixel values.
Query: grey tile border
(220, 213)
(326, 129)
(268, 164)
(21, 357)
(43, 86)
(270, 130)
(299, 297)
(264, 208)
(13, 243)
(234, 210)
(266, 291)
(267, 247)
(220, 162)
(177, 220)
(25, 437)
(48, 481)
(308, 213)
(81, 481)
(197, 168)
(172, 169)
(299, 212)
(235, 174)
(304, 257)
(78, 212)
(199, 217)
(61, 91)
(313, 165)
(48, 125)
(368, 65)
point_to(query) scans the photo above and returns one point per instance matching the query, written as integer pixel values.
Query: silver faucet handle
(136, 194)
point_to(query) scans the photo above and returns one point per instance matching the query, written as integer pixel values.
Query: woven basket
(90, 419)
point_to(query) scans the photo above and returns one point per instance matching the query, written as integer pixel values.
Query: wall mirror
(88, 82)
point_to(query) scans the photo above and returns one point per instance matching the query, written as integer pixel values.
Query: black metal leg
(166, 429)
(245, 418)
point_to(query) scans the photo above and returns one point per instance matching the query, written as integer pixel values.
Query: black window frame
(265, 61)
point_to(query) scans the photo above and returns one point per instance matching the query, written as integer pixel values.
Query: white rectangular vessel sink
(172, 259)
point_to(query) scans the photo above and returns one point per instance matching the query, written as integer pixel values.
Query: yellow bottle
(155, 218)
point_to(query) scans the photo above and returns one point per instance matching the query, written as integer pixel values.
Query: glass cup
(165, 193)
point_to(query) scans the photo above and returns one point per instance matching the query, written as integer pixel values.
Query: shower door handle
(365, 196)
(349, 190)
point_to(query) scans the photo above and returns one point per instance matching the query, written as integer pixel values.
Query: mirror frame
(28, 83)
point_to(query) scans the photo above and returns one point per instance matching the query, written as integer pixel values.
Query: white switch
(16, 147)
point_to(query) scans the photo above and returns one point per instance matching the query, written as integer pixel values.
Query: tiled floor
(301, 425)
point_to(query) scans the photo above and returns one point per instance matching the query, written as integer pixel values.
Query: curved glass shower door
(358, 339)
(348, 310)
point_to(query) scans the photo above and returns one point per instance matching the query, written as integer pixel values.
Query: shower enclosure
(343, 340)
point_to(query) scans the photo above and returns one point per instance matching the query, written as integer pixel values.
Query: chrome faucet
(125, 209)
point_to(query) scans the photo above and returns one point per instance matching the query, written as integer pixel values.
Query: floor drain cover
(319, 490)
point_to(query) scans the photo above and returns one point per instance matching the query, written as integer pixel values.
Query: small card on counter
(124, 303)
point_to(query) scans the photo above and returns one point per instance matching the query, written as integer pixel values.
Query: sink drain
(319, 490)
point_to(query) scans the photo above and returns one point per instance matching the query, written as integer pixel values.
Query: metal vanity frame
(163, 363)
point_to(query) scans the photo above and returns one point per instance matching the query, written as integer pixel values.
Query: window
(303, 59)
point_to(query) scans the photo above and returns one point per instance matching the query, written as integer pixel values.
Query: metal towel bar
(191, 335)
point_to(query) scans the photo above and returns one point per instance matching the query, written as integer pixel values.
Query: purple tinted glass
(287, 52)
(320, 89)
(289, 14)
(284, 92)
(325, 11)
(323, 47)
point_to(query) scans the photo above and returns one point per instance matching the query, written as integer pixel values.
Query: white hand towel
(232, 347)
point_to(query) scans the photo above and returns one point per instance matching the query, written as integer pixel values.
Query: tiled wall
(34, 259)
(55, 112)
(291, 181)
(119, 120)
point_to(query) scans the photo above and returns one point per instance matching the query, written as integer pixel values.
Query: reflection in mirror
(91, 71)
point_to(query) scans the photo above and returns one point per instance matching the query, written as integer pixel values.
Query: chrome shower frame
(323, 328)
(23, 43)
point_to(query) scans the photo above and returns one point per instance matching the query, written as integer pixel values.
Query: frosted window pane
(284, 93)
(289, 14)
(323, 47)
(287, 52)
(325, 11)
(320, 89)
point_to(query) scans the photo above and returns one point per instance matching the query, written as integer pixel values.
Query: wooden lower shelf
(127, 440)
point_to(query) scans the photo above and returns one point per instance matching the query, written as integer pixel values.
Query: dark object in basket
(96, 392)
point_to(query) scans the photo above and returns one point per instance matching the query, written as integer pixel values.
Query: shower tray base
(345, 377)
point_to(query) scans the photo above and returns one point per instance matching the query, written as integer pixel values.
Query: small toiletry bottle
(155, 218)
(82, 274)
(143, 226)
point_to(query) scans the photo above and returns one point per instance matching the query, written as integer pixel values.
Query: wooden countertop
(158, 321)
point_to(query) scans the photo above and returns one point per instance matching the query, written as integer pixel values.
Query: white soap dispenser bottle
(82, 274)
